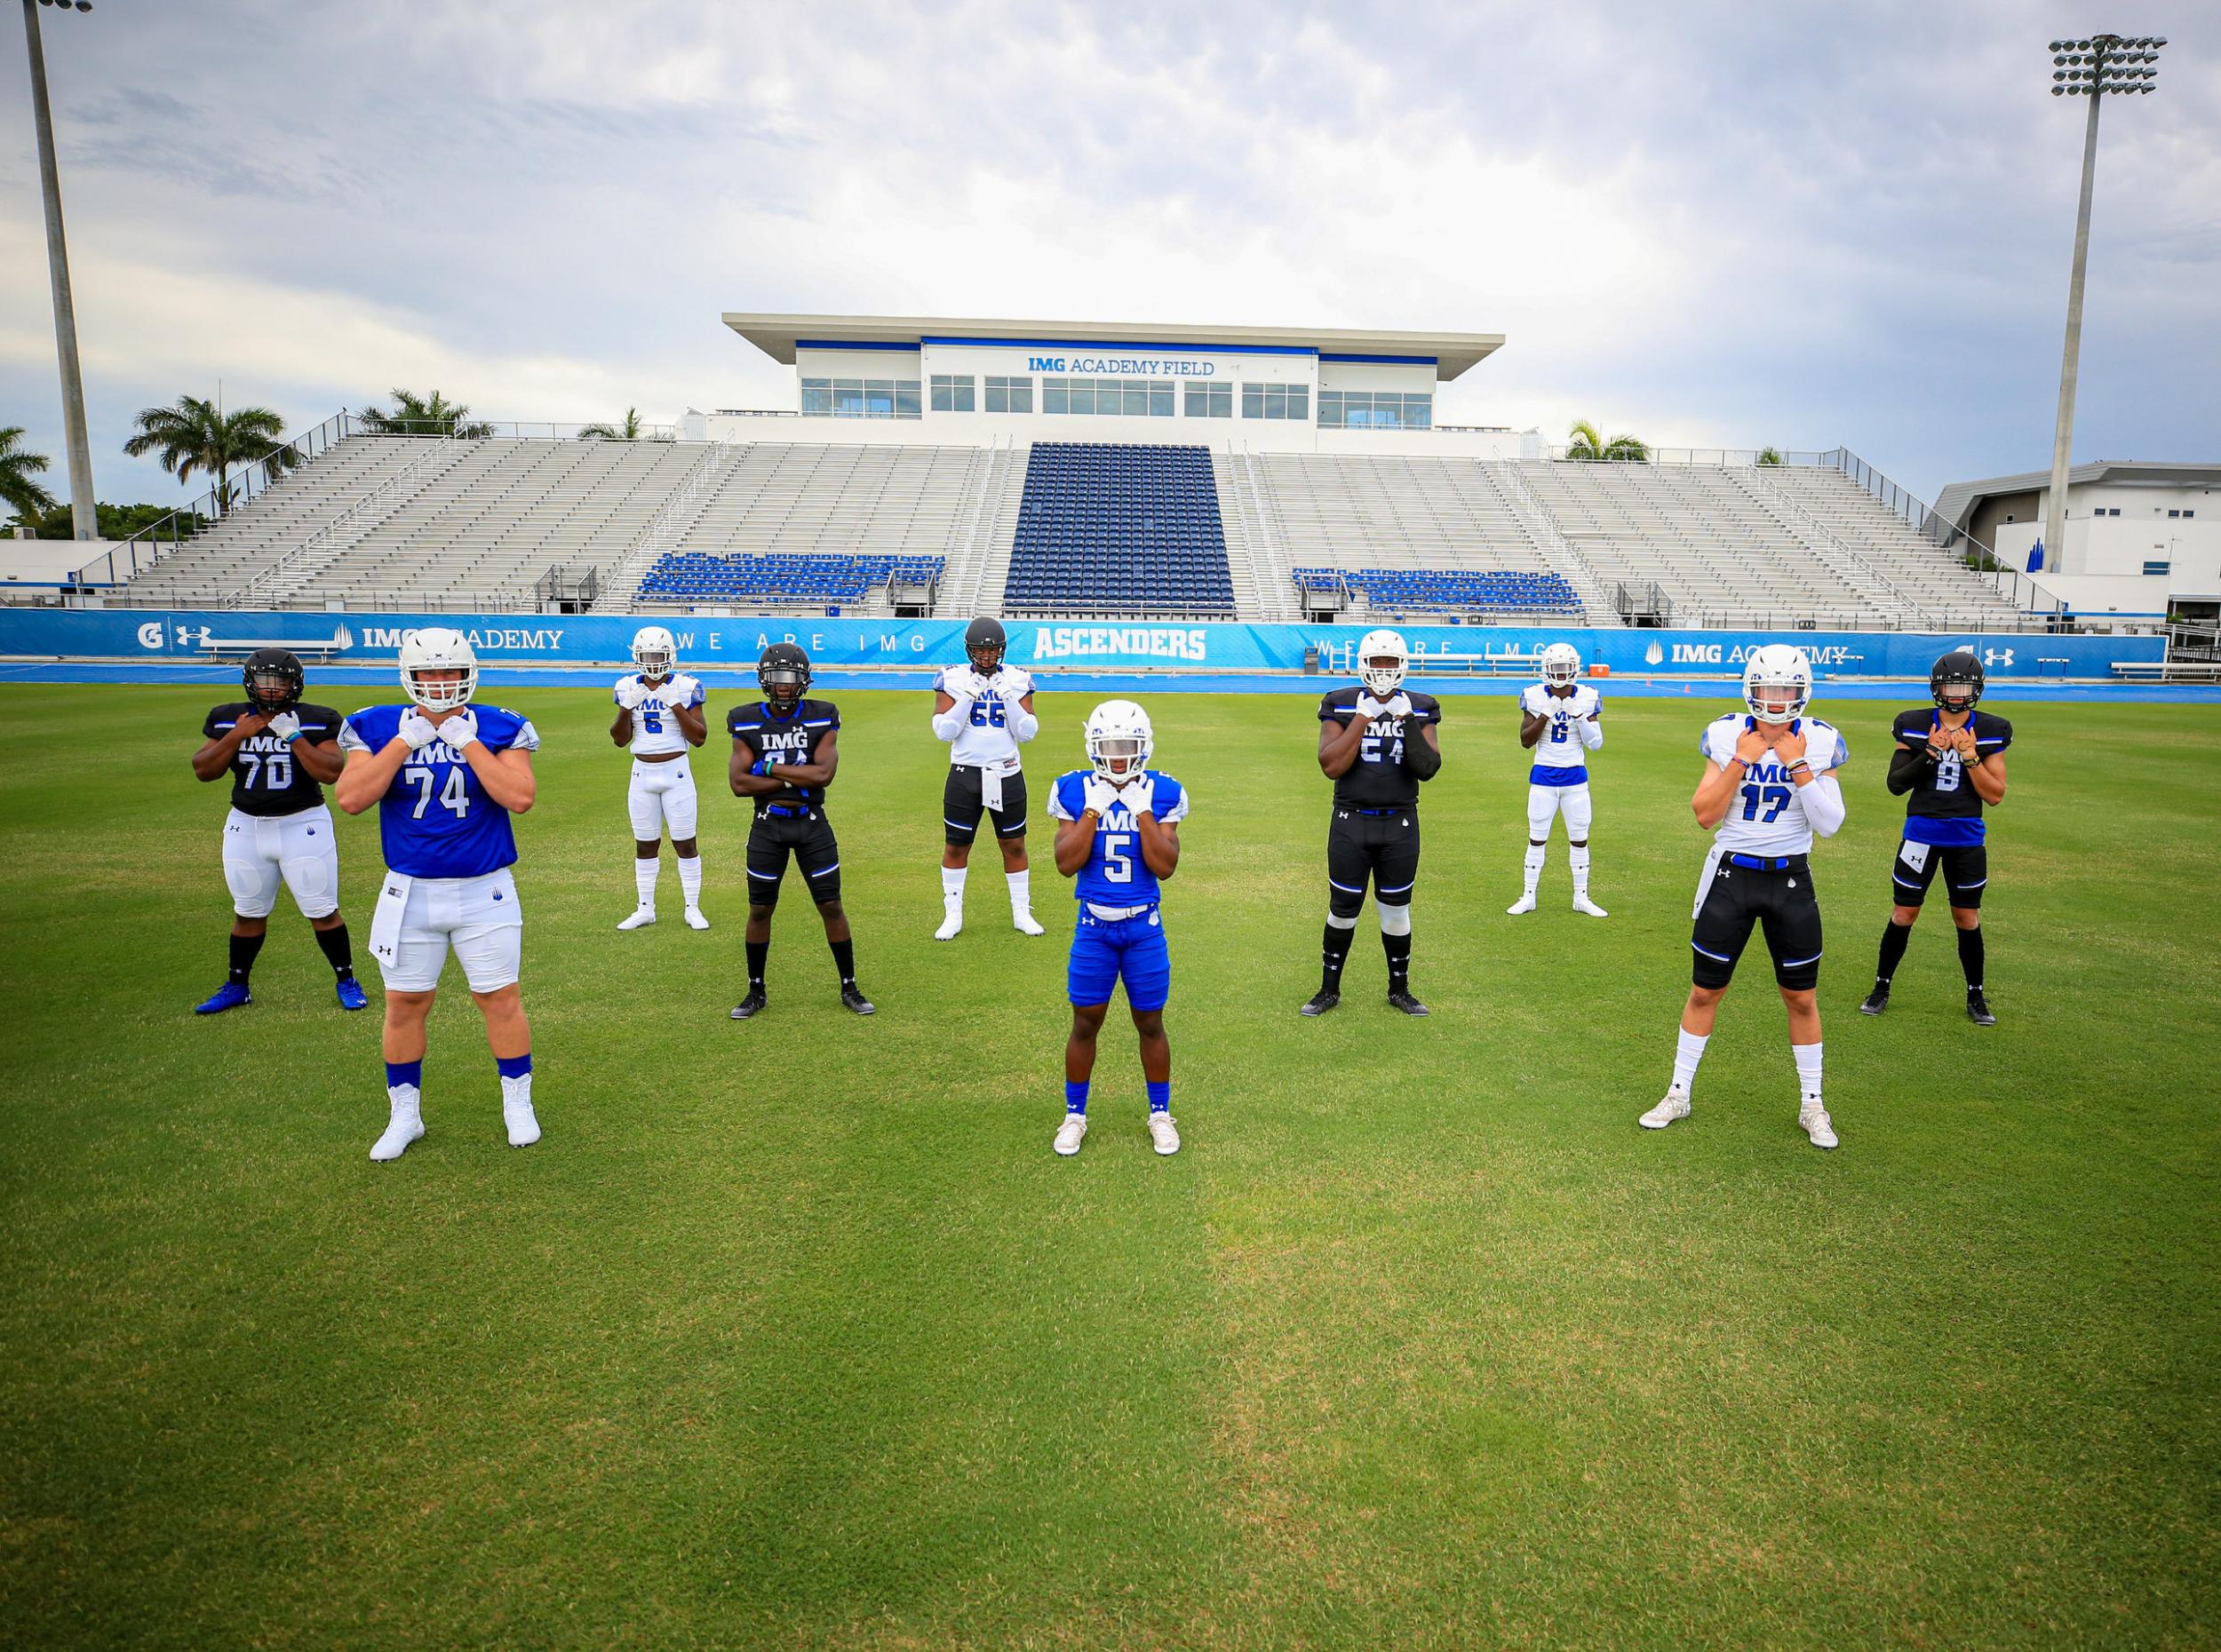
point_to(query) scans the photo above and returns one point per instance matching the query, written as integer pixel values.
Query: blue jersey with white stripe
(1116, 874)
(435, 819)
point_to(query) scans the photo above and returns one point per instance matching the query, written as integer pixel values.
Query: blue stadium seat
(1448, 590)
(1119, 527)
(694, 576)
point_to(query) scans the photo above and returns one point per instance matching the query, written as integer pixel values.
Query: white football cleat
(1071, 1133)
(1164, 1135)
(642, 916)
(524, 1126)
(1675, 1106)
(1524, 904)
(1025, 924)
(404, 1129)
(1582, 903)
(694, 920)
(1812, 1118)
(951, 922)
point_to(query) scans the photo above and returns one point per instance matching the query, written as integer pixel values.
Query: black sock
(845, 960)
(339, 950)
(1398, 949)
(242, 950)
(758, 951)
(1337, 949)
(1894, 935)
(1970, 957)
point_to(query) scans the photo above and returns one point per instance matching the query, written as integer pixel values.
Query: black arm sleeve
(1422, 761)
(1907, 769)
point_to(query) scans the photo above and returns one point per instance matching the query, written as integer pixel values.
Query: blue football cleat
(351, 995)
(230, 996)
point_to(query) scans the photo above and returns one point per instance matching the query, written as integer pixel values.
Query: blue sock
(515, 1065)
(1075, 1095)
(404, 1073)
(1159, 1095)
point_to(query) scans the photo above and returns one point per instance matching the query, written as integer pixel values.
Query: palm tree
(1770, 455)
(424, 415)
(194, 436)
(1588, 443)
(18, 464)
(629, 430)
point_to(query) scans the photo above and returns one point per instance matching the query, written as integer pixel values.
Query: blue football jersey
(435, 820)
(1116, 874)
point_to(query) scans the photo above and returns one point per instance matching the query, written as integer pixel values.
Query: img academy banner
(1045, 647)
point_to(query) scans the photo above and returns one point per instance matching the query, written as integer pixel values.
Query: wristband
(296, 735)
(1799, 764)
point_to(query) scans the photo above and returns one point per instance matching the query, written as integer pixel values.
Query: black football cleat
(1877, 1001)
(1320, 1001)
(851, 998)
(1404, 1001)
(749, 1006)
(1978, 1008)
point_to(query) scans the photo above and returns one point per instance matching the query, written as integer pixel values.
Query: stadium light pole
(83, 512)
(2100, 66)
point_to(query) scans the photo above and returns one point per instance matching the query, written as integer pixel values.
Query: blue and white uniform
(662, 793)
(449, 848)
(1120, 933)
(1558, 781)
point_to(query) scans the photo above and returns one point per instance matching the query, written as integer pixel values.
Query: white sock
(1578, 859)
(952, 885)
(690, 880)
(1535, 851)
(1808, 1070)
(1688, 1050)
(644, 876)
(1020, 901)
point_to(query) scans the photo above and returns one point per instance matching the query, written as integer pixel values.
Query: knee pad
(1395, 920)
(1338, 920)
(1342, 906)
(309, 878)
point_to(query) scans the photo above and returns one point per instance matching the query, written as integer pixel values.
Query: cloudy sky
(1844, 224)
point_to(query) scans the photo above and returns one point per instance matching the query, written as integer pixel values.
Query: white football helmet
(654, 651)
(1119, 741)
(1561, 664)
(438, 648)
(1381, 681)
(1777, 682)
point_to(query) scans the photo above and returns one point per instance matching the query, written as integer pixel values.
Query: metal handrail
(239, 598)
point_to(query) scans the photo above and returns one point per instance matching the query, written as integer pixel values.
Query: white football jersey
(1560, 746)
(985, 742)
(1766, 813)
(655, 730)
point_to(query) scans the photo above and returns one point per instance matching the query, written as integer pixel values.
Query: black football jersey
(1945, 793)
(265, 779)
(1378, 779)
(791, 739)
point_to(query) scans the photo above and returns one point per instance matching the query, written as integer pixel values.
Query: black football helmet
(273, 680)
(984, 645)
(782, 673)
(1956, 682)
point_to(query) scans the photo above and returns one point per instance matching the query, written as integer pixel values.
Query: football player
(1769, 785)
(1558, 722)
(276, 752)
(658, 716)
(785, 752)
(1117, 837)
(1377, 743)
(447, 776)
(985, 710)
(1951, 761)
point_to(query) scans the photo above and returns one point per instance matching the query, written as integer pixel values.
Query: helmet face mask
(1381, 659)
(273, 679)
(1777, 683)
(1119, 741)
(655, 652)
(783, 675)
(1561, 665)
(439, 668)
(985, 645)
(1955, 685)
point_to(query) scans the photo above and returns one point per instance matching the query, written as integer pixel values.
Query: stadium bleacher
(692, 576)
(1448, 590)
(1118, 529)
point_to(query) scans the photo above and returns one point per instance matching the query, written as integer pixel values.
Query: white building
(952, 382)
(2142, 539)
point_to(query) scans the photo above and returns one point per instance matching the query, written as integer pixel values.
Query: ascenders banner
(585, 640)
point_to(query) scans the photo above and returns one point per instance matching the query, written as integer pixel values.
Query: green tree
(1588, 443)
(194, 436)
(1770, 455)
(424, 415)
(631, 430)
(117, 522)
(17, 465)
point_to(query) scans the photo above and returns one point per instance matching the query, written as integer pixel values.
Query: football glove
(1012, 685)
(1400, 706)
(460, 729)
(1099, 794)
(1368, 708)
(1141, 795)
(630, 692)
(416, 731)
(284, 724)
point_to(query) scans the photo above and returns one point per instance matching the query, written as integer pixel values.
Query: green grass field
(795, 1334)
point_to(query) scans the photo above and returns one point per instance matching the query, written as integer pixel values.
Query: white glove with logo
(416, 731)
(1400, 706)
(1140, 797)
(1012, 685)
(460, 729)
(285, 726)
(1368, 708)
(1098, 795)
(630, 692)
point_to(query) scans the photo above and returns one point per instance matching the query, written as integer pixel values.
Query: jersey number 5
(454, 795)
(1117, 864)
